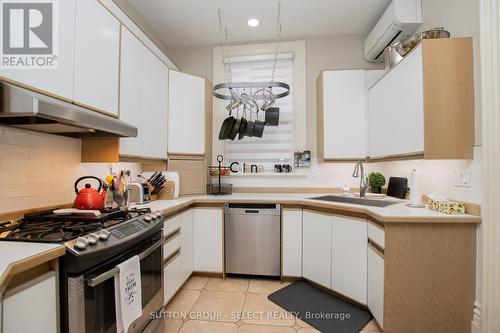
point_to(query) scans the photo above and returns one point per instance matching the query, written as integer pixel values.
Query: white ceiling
(181, 23)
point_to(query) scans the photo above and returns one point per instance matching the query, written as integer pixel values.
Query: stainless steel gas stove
(95, 246)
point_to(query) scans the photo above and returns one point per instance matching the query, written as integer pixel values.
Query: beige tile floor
(209, 305)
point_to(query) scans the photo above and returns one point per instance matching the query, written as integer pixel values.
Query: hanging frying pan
(250, 128)
(226, 128)
(243, 128)
(243, 125)
(235, 130)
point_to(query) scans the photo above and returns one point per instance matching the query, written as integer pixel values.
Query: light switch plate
(462, 178)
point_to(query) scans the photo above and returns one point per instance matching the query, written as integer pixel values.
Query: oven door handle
(115, 270)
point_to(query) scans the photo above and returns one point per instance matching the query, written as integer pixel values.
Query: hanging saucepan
(272, 116)
(258, 129)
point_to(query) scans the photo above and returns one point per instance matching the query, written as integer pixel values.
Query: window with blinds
(276, 145)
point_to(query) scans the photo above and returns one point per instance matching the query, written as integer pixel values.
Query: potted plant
(376, 181)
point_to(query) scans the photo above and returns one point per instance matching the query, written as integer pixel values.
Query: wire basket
(219, 189)
(216, 170)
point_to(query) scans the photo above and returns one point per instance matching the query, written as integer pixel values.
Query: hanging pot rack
(247, 94)
(283, 89)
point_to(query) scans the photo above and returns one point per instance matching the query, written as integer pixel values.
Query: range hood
(27, 109)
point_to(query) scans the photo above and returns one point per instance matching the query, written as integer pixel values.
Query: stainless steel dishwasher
(252, 239)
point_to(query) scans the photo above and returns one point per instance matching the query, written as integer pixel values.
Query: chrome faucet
(363, 179)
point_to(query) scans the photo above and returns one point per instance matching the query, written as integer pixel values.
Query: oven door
(91, 296)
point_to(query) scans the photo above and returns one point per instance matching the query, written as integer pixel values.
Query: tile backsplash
(38, 170)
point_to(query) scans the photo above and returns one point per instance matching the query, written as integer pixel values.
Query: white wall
(437, 176)
(39, 170)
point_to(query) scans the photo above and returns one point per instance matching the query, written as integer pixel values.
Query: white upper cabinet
(132, 51)
(59, 81)
(317, 247)
(186, 115)
(143, 99)
(154, 106)
(97, 53)
(344, 110)
(372, 77)
(349, 257)
(396, 110)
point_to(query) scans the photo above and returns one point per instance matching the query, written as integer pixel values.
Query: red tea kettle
(89, 198)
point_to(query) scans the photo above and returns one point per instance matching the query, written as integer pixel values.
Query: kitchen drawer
(172, 276)
(376, 234)
(172, 243)
(171, 225)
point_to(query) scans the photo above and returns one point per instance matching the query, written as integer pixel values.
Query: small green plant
(376, 179)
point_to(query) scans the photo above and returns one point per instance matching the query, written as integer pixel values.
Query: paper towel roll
(415, 187)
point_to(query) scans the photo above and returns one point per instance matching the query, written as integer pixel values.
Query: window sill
(269, 174)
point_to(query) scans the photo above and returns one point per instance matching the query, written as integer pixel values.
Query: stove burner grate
(48, 227)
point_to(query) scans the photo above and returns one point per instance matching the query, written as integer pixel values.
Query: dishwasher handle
(252, 209)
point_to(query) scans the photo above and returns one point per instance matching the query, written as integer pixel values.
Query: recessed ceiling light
(253, 22)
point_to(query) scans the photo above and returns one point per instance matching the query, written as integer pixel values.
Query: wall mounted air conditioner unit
(399, 21)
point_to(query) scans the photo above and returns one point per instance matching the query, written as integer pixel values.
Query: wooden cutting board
(192, 175)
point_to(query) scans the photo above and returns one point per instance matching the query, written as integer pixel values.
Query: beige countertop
(16, 257)
(390, 214)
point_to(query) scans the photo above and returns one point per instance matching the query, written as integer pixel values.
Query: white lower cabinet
(177, 252)
(292, 243)
(376, 285)
(349, 257)
(317, 247)
(187, 254)
(208, 248)
(35, 301)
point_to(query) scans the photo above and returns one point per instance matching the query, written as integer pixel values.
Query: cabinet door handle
(172, 235)
(171, 257)
(376, 248)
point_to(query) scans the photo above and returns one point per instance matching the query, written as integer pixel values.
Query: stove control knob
(92, 238)
(104, 234)
(159, 214)
(81, 243)
(148, 217)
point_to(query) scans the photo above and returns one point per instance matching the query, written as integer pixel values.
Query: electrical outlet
(462, 178)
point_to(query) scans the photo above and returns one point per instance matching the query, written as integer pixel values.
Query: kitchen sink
(357, 201)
